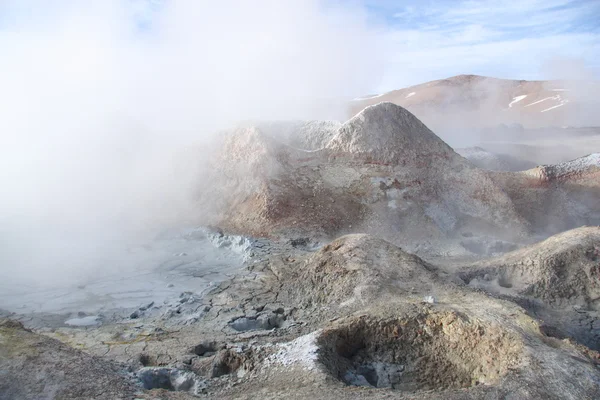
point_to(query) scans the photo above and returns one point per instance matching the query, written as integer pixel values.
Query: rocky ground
(376, 263)
(357, 318)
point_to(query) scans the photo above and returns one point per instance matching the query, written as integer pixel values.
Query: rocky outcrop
(555, 198)
(383, 172)
(388, 134)
(353, 271)
(583, 168)
(561, 270)
(37, 367)
(556, 280)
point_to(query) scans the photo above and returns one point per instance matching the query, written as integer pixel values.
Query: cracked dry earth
(358, 318)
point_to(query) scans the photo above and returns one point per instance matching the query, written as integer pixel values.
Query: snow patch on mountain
(516, 100)
(562, 103)
(368, 97)
(557, 97)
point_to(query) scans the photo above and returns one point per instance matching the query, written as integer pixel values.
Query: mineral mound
(555, 198)
(382, 172)
(562, 270)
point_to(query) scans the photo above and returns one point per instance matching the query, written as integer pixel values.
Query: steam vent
(200, 201)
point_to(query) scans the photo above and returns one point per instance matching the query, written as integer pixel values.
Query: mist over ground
(98, 99)
(109, 108)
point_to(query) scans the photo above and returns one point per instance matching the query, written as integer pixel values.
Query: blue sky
(415, 41)
(524, 39)
(424, 40)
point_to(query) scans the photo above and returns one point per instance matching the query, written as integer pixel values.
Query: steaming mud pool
(138, 279)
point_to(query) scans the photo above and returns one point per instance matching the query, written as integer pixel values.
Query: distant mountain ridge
(473, 101)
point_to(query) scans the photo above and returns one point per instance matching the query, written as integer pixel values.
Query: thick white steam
(97, 98)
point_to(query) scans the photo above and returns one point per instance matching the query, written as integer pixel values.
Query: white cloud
(498, 38)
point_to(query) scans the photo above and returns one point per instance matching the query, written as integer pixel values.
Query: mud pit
(262, 322)
(170, 379)
(133, 279)
(429, 351)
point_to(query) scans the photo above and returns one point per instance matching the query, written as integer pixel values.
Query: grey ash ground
(374, 262)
